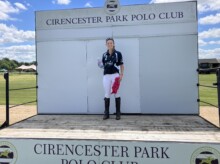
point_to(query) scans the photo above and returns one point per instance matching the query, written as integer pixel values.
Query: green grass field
(208, 94)
(19, 81)
(29, 80)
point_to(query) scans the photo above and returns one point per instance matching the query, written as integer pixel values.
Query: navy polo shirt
(111, 62)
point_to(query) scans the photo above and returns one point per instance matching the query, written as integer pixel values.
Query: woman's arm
(121, 71)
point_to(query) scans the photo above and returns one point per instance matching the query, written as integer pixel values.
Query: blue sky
(17, 24)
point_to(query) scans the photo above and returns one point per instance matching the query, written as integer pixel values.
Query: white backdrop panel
(130, 86)
(95, 49)
(62, 77)
(168, 74)
(130, 89)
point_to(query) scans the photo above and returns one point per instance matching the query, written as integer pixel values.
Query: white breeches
(108, 81)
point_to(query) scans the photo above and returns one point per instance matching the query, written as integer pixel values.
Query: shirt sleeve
(120, 59)
(103, 61)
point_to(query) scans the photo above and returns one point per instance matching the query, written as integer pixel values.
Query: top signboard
(126, 15)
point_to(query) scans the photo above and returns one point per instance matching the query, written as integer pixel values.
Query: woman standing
(113, 69)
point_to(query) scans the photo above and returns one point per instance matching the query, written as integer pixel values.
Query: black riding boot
(107, 104)
(118, 105)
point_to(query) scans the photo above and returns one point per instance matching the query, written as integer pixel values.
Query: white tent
(24, 67)
(32, 67)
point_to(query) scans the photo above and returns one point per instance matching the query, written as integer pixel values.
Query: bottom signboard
(52, 151)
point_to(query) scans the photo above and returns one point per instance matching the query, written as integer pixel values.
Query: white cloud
(208, 5)
(203, 43)
(27, 4)
(203, 5)
(211, 33)
(10, 34)
(214, 42)
(20, 6)
(207, 35)
(88, 4)
(20, 53)
(6, 8)
(4, 16)
(211, 19)
(62, 2)
(214, 53)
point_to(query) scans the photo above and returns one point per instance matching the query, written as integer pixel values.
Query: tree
(11, 65)
(4, 66)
